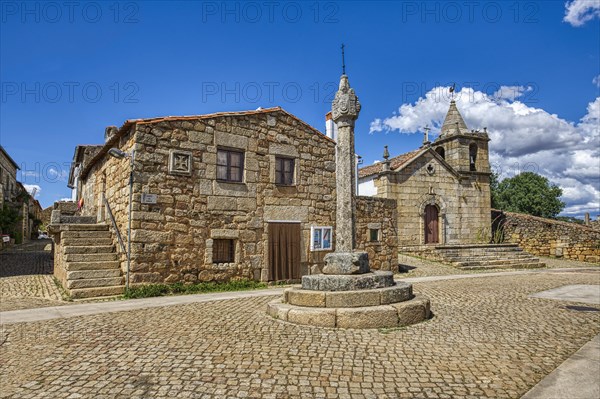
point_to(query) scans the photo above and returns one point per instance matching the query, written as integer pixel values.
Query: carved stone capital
(345, 107)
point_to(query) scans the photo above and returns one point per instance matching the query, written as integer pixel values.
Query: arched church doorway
(431, 225)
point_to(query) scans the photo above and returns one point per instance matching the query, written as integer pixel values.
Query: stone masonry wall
(172, 239)
(111, 176)
(378, 214)
(547, 237)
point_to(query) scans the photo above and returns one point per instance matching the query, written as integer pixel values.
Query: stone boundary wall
(380, 214)
(547, 237)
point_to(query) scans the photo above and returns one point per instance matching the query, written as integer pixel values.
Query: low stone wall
(378, 214)
(547, 237)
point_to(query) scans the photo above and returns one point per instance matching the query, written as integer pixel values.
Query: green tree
(8, 219)
(528, 193)
(494, 180)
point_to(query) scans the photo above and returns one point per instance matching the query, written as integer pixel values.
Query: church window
(441, 152)
(472, 157)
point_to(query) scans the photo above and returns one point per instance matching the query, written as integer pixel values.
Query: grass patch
(152, 290)
(65, 296)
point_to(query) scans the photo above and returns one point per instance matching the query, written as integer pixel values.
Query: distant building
(442, 189)
(8, 177)
(14, 196)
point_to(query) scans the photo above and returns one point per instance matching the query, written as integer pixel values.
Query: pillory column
(344, 111)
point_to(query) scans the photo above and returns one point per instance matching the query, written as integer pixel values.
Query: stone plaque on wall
(180, 162)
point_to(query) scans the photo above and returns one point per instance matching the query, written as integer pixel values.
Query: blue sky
(67, 73)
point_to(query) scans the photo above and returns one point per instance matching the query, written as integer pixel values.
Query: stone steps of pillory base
(399, 314)
(94, 282)
(93, 274)
(87, 241)
(325, 282)
(96, 292)
(86, 234)
(76, 266)
(90, 257)
(348, 299)
(96, 249)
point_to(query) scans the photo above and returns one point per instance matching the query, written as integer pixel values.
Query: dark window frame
(283, 177)
(228, 167)
(374, 232)
(223, 250)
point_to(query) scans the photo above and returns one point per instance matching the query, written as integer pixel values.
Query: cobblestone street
(26, 277)
(487, 339)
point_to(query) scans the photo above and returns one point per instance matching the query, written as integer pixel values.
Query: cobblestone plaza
(487, 339)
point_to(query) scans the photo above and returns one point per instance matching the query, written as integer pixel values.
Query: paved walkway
(576, 378)
(26, 277)
(49, 313)
(488, 339)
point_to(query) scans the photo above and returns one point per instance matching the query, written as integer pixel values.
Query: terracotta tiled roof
(395, 163)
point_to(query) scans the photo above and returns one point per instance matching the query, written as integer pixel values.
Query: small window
(441, 152)
(373, 235)
(223, 251)
(230, 165)
(284, 171)
(320, 238)
(472, 157)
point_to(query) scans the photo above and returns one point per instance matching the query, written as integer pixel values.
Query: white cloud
(596, 81)
(578, 12)
(31, 187)
(523, 138)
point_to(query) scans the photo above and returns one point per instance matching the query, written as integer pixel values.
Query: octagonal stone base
(325, 282)
(405, 313)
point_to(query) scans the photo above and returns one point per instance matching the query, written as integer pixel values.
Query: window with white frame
(321, 238)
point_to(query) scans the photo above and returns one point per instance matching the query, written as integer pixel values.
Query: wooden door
(431, 225)
(284, 251)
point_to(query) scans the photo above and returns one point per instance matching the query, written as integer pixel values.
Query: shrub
(152, 290)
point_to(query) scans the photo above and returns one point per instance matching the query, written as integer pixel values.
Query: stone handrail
(114, 223)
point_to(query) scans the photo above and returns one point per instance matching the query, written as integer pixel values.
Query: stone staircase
(477, 256)
(88, 264)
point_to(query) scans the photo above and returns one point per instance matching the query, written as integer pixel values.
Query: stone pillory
(348, 294)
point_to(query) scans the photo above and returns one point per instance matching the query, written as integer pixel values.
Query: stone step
(95, 282)
(77, 219)
(459, 253)
(496, 262)
(84, 241)
(512, 263)
(86, 234)
(527, 265)
(81, 293)
(97, 249)
(93, 274)
(85, 227)
(77, 266)
(489, 257)
(90, 257)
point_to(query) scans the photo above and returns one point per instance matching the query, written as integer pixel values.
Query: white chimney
(330, 127)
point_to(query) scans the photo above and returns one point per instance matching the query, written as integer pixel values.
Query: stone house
(227, 195)
(14, 195)
(8, 177)
(442, 189)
